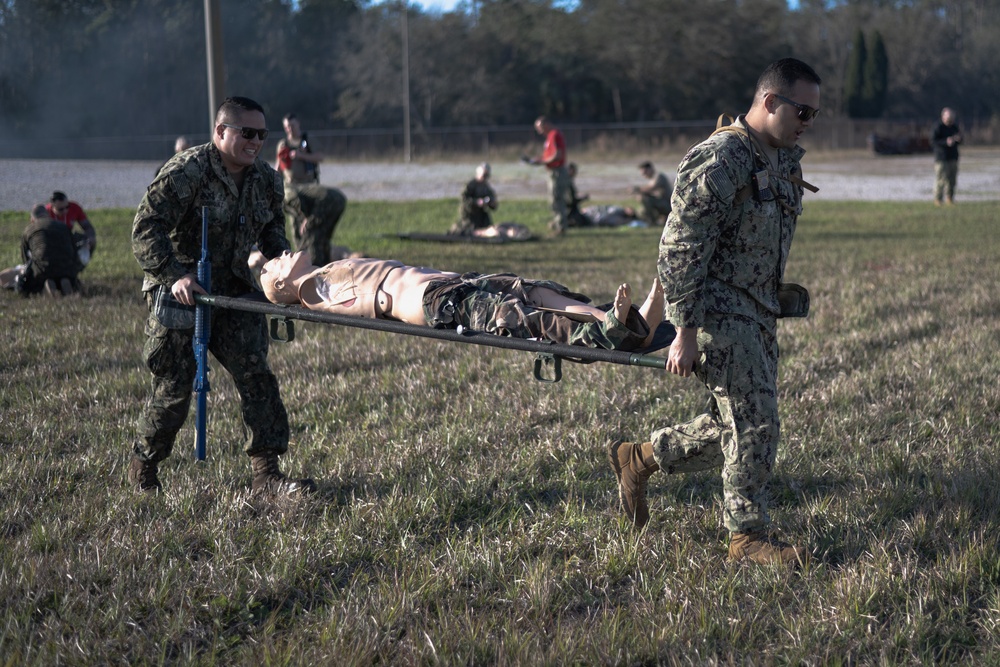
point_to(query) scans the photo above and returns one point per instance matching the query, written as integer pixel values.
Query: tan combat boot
(142, 476)
(269, 480)
(633, 463)
(764, 549)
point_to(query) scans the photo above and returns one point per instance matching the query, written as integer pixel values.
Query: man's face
(947, 117)
(647, 172)
(785, 126)
(292, 128)
(541, 127)
(59, 208)
(239, 153)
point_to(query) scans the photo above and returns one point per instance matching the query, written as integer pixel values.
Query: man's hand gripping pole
(202, 333)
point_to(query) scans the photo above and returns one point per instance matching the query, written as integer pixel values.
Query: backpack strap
(746, 191)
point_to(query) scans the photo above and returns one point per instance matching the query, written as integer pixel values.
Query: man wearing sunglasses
(722, 255)
(243, 194)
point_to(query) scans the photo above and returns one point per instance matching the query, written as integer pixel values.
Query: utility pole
(406, 83)
(214, 58)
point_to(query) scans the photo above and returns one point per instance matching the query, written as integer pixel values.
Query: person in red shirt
(61, 209)
(553, 157)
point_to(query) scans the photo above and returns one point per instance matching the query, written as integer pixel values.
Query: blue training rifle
(202, 334)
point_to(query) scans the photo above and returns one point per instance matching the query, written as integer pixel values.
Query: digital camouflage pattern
(739, 366)
(472, 216)
(166, 233)
(166, 241)
(500, 304)
(559, 194)
(320, 208)
(718, 254)
(313, 210)
(722, 256)
(239, 341)
(656, 203)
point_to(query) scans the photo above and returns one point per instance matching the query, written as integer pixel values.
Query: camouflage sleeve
(161, 210)
(702, 201)
(272, 240)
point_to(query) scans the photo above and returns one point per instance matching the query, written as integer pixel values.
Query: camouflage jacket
(166, 233)
(724, 248)
(474, 190)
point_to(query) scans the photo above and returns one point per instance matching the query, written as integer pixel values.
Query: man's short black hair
(58, 196)
(39, 212)
(781, 75)
(646, 165)
(232, 106)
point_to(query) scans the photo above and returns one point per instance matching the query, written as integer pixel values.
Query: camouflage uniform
(49, 253)
(471, 215)
(656, 203)
(559, 193)
(306, 200)
(500, 304)
(166, 241)
(722, 256)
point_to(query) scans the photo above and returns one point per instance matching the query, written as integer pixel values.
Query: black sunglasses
(248, 132)
(806, 112)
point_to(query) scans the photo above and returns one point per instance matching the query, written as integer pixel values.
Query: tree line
(126, 68)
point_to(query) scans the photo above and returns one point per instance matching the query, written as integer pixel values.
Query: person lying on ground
(503, 304)
(612, 216)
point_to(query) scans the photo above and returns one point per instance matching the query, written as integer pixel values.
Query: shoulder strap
(797, 180)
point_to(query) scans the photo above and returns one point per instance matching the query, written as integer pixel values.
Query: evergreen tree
(876, 79)
(854, 98)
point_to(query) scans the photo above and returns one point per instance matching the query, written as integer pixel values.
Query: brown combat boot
(51, 289)
(269, 480)
(764, 549)
(142, 476)
(633, 463)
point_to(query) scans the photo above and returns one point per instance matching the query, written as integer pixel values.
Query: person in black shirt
(945, 140)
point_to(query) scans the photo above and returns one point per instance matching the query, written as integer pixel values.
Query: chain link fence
(509, 142)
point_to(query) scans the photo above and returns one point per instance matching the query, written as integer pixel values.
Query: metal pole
(406, 84)
(214, 59)
(297, 312)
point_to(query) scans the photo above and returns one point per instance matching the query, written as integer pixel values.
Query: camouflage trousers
(470, 220)
(654, 207)
(739, 367)
(558, 196)
(314, 211)
(500, 304)
(945, 177)
(239, 341)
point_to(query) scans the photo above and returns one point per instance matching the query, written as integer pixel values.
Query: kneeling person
(51, 263)
(503, 304)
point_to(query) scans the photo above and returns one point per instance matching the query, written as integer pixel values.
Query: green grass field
(466, 515)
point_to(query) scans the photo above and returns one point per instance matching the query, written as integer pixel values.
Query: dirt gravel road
(846, 176)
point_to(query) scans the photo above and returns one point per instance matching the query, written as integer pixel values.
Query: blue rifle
(202, 334)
